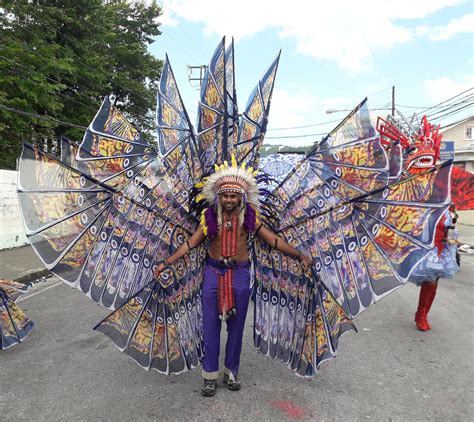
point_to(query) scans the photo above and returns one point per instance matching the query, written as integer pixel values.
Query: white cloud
(293, 109)
(288, 108)
(442, 88)
(167, 19)
(347, 34)
(464, 24)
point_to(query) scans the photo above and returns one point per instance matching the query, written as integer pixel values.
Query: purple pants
(212, 324)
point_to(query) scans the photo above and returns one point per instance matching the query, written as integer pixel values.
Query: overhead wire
(197, 46)
(297, 136)
(452, 112)
(50, 79)
(304, 126)
(445, 101)
(40, 116)
(451, 105)
(91, 83)
(273, 129)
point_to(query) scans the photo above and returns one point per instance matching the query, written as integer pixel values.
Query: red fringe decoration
(225, 293)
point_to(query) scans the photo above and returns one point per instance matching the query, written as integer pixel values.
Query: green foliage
(61, 58)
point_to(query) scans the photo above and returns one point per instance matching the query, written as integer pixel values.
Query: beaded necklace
(225, 292)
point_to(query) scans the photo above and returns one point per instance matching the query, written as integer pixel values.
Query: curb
(34, 276)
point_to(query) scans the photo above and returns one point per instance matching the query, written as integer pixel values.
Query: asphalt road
(388, 371)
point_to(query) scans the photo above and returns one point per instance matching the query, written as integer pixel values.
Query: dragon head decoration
(421, 147)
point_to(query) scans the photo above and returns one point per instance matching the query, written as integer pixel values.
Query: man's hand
(306, 261)
(159, 269)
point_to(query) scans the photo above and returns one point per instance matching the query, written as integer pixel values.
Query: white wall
(12, 233)
(466, 217)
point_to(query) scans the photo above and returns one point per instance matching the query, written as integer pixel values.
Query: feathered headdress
(229, 178)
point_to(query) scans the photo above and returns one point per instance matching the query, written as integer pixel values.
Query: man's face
(230, 201)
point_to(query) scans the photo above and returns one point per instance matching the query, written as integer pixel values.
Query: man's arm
(192, 242)
(283, 246)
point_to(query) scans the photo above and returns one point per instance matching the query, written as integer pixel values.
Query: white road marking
(23, 298)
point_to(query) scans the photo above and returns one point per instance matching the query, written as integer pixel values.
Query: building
(462, 133)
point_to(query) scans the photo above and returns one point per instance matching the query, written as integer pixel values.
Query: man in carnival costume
(230, 220)
(106, 216)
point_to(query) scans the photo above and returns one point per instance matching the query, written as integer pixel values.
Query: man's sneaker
(231, 382)
(209, 388)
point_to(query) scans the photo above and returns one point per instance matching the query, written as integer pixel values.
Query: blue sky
(333, 55)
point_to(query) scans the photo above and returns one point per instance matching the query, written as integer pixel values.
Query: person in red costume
(421, 152)
(441, 263)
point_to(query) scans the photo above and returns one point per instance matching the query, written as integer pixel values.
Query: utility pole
(393, 101)
(202, 71)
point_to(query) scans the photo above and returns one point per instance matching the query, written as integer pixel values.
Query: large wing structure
(177, 142)
(110, 210)
(217, 112)
(108, 246)
(364, 232)
(14, 324)
(253, 123)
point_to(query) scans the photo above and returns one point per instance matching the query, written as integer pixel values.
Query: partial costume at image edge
(14, 324)
(106, 214)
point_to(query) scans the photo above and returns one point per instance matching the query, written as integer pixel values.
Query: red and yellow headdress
(229, 178)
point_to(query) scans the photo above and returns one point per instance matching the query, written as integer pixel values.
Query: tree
(59, 59)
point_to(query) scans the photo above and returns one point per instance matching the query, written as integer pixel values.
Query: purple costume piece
(212, 323)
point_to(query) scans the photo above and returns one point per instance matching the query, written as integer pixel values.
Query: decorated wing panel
(253, 123)
(326, 179)
(217, 113)
(366, 228)
(13, 289)
(97, 240)
(160, 327)
(356, 125)
(14, 324)
(296, 320)
(176, 139)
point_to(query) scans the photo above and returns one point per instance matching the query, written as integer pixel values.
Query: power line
(449, 99)
(415, 107)
(40, 116)
(91, 84)
(450, 113)
(296, 136)
(181, 47)
(376, 108)
(305, 126)
(121, 86)
(189, 38)
(462, 100)
(52, 80)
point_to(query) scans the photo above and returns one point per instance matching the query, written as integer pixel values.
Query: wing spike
(253, 124)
